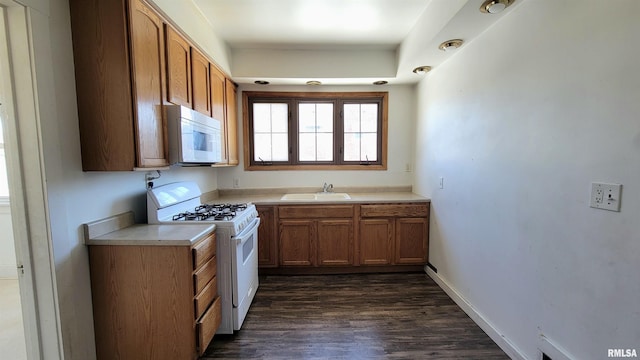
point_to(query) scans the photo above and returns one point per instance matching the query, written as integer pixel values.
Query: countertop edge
(154, 235)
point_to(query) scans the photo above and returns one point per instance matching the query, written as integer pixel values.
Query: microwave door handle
(245, 235)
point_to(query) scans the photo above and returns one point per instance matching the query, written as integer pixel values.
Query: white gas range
(237, 242)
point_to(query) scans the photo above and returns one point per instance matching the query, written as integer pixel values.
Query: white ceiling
(341, 41)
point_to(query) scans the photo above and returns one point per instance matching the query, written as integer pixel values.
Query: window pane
(351, 117)
(279, 118)
(261, 118)
(369, 117)
(307, 147)
(280, 147)
(369, 147)
(352, 146)
(315, 127)
(262, 147)
(325, 147)
(324, 119)
(270, 129)
(306, 118)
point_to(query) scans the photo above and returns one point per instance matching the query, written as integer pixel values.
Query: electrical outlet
(236, 183)
(605, 196)
(441, 183)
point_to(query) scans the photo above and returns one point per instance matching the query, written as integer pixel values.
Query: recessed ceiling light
(380, 82)
(314, 82)
(450, 45)
(495, 6)
(261, 82)
(422, 70)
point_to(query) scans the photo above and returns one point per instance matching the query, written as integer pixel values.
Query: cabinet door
(376, 241)
(147, 47)
(218, 94)
(411, 240)
(179, 68)
(267, 250)
(232, 125)
(200, 82)
(335, 242)
(297, 243)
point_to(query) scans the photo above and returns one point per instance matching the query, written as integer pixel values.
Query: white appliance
(194, 138)
(237, 242)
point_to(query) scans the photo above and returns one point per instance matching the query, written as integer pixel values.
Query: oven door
(244, 270)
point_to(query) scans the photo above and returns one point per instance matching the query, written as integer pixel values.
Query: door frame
(27, 185)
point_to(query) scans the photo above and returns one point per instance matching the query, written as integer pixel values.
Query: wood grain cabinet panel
(178, 68)
(231, 104)
(335, 242)
(267, 237)
(200, 82)
(407, 231)
(118, 49)
(326, 231)
(376, 241)
(411, 236)
(297, 242)
(145, 305)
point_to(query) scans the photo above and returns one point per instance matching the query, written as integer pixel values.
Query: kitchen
(518, 123)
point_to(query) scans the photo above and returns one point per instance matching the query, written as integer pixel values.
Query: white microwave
(194, 138)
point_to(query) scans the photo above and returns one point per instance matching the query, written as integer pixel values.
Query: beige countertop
(120, 230)
(356, 197)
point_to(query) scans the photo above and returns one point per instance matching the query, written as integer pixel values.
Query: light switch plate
(605, 196)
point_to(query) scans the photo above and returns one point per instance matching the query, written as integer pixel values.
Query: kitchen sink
(332, 196)
(317, 196)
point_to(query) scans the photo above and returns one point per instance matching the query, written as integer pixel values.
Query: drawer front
(315, 212)
(208, 325)
(206, 296)
(204, 274)
(394, 210)
(204, 250)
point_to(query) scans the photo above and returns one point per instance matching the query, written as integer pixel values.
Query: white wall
(75, 197)
(519, 122)
(399, 156)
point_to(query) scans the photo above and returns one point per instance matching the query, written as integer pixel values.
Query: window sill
(313, 167)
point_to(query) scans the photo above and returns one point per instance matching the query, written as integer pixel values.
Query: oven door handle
(246, 233)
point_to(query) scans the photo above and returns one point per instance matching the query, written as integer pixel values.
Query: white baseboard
(507, 346)
(8, 272)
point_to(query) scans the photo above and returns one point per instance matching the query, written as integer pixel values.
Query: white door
(24, 164)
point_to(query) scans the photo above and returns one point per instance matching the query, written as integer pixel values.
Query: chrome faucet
(327, 188)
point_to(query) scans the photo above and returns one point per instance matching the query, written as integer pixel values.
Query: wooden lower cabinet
(395, 234)
(154, 302)
(267, 237)
(376, 241)
(411, 236)
(316, 235)
(380, 237)
(297, 243)
(335, 242)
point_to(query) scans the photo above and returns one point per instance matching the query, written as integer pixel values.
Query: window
(315, 130)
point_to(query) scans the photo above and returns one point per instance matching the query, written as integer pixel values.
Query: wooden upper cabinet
(200, 82)
(147, 44)
(178, 68)
(231, 122)
(218, 107)
(120, 84)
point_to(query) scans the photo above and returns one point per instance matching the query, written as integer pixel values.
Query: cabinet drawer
(315, 211)
(204, 250)
(203, 275)
(394, 210)
(206, 296)
(208, 325)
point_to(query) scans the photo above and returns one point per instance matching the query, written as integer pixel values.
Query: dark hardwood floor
(356, 316)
